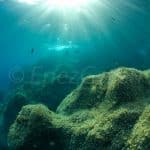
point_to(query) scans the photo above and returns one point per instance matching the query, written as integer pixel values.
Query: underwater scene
(75, 75)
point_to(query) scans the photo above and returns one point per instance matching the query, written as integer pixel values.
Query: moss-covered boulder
(109, 111)
(118, 86)
(34, 129)
(127, 85)
(140, 136)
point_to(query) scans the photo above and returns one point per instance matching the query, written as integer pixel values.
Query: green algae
(118, 86)
(109, 111)
(140, 136)
(35, 130)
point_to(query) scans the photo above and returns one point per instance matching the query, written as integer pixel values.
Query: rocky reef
(109, 111)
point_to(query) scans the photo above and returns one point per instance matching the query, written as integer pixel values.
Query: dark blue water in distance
(77, 37)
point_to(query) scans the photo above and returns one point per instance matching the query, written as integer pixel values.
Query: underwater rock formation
(9, 113)
(107, 111)
(15, 103)
(38, 124)
(48, 90)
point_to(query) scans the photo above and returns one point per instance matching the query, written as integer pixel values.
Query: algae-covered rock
(119, 86)
(140, 136)
(9, 114)
(109, 111)
(90, 93)
(34, 129)
(15, 103)
(127, 85)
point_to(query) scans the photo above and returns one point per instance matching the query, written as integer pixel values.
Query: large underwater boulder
(34, 129)
(109, 111)
(118, 86)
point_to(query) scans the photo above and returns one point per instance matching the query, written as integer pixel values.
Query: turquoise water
(109, 32)
(78, 37)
